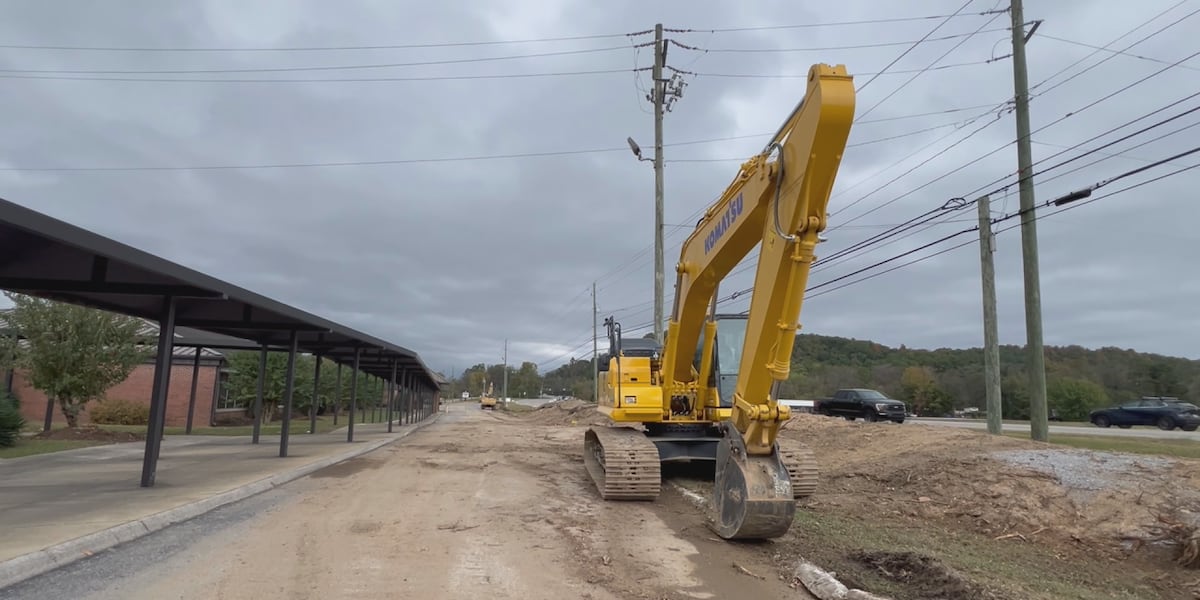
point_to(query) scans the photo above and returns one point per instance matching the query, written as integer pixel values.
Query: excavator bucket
(753, 496)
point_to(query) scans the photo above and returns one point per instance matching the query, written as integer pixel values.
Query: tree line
(937, 382)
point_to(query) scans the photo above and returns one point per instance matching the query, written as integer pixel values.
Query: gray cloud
(451, 258)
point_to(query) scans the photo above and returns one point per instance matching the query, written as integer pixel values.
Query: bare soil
(478, 505)
(923, 512)
(89, 433)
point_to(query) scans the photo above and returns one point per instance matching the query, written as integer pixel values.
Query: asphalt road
(1134, 432)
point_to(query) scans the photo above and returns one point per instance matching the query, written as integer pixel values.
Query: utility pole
(1035, 357)
(504, 389)
(663, 95)
(595, 359)
(660, 57)
(991, 337)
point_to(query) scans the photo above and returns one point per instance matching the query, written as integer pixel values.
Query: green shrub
(119, 412)
(11, 421)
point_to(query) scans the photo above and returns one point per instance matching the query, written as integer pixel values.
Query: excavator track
(623, 463)
(802, 470)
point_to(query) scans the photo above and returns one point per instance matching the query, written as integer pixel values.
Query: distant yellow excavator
(487, 399)
(710, 392)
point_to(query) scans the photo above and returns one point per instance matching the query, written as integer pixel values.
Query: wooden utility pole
(595, 358)
(504, 389)
(1035, 355)
(991, 338)
(660, 56)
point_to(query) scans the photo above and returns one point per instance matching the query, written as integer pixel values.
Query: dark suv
(868, 404)
(1166, 413)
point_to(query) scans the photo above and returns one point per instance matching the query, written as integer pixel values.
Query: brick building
(211, 389)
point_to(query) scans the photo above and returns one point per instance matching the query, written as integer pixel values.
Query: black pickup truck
(868, 404)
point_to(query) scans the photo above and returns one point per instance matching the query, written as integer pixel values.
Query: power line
(314, 48)
(854, 145)
(927, 161)
(842, 23)
(913, 46)
(629, 263)
(455, 44)
(1121, 52)
(318, 79)
(1084, 193)
(998, 220)
(883, 236)
(927, 68)
(800, 76)
(313, 68)
(1091, 139)
(1111, 56)
(411, 161)
(998, 149)
(1002, 147)
(1062, 200)
(1123, 154)
(322, 164)
(933, 213)
(912, 43)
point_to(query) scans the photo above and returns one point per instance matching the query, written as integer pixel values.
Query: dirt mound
(1003, 487)
(90, 433)
(567, 412)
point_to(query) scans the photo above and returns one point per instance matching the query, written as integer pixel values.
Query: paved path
(53, 498)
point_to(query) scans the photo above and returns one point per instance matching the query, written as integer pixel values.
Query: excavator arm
(776, 202)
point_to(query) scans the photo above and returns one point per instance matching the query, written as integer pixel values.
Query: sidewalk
(59, 507)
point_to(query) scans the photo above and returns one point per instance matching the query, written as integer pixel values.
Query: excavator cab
(729, 340)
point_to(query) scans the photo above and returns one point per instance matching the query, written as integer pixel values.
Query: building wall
(136, 388)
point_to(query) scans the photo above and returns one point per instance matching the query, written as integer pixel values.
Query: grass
(514, 407)
(1021, 569)
(30, 447)
(1054, 423)
(1171, 447)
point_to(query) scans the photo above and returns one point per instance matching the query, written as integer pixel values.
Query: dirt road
(477, 505)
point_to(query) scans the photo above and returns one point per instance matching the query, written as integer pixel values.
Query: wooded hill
(1078, 379)
(936, 382)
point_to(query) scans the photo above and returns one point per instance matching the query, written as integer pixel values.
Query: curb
(26, 566)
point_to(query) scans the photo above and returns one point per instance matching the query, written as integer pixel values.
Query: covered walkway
(49, 258)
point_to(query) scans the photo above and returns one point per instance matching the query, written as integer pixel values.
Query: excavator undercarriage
(625, 463)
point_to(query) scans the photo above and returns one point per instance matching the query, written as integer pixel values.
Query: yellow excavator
(710, 391)
(487, 399)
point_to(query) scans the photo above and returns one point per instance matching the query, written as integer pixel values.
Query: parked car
(1163, 412)
(853, 403)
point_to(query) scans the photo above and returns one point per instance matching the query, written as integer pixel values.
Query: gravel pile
(1091, 471)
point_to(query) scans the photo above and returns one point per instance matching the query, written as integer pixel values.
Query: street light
(637, 150)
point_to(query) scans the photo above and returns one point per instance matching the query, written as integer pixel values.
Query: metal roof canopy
(45, 257)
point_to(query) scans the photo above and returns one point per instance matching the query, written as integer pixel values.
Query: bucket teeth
(802, 469)
(623, 463)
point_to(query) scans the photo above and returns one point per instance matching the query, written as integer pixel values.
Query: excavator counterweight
(709, 391)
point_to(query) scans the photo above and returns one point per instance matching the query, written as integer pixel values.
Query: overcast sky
(451, 257)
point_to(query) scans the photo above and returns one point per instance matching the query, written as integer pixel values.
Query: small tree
(1075, 398)
(74, 353)
(920, 388)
